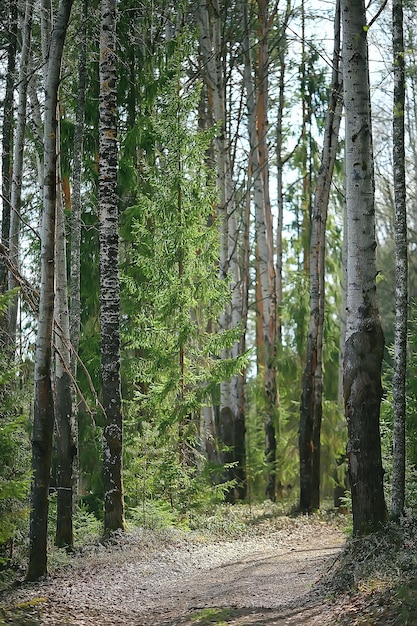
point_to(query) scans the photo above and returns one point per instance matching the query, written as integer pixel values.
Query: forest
(207, 292)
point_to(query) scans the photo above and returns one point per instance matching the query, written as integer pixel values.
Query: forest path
(145, 580)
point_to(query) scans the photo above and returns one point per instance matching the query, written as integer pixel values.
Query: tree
(63, 384)
(7, 135)
(364, 336)
(401, 263)
(43, 416)
(212, 50)
(109, 274)
(17, 176)
(312, 393)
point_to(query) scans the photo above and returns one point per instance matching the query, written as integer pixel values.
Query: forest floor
(273, 570)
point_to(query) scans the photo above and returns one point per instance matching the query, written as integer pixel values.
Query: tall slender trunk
(7, 139)
(266, 288)
(63, 403)
(17, 175)
(75, 252)
(280, 169)
(211, 46)
(109, 274)
(364, 336)
(311, 409)
(43, 416)
(401, 264)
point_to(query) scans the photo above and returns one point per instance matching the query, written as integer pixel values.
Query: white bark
(364, 336)
(17, 175)
(43, 416)
(401, 266)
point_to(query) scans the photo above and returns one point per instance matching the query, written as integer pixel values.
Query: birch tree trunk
(311, 410)
(232, 419)
(364, 335)
(401, 264)
(109, 274)
(43, 416)
(17, 175)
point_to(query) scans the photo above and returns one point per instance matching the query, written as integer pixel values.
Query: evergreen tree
(171, 273)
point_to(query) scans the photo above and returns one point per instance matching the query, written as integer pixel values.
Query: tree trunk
(312, 385)
(231, 416)
(266, 305)
(280, 169)
(7, 138)
(401, 264)
(63, 400)
(43, 416)
(109, 274)
(63, 418)
(364, 336)
(75, 262)
(18, 150)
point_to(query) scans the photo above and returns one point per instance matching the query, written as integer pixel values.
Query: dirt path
(267, 579)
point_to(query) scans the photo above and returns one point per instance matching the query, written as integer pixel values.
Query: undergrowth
(375, 577)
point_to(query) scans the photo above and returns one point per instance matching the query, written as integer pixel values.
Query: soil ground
(161, 579)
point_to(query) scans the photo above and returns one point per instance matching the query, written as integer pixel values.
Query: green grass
(208, 616)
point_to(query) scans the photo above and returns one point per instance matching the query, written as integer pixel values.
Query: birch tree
(109, 273)
(17, 173)
(401, 263)
(312, 384)
(364, 336)
(43, 415)
(212, 52)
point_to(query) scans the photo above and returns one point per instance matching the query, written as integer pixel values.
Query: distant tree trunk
(109, 274)
(364, 336)
(63, 401)
(232, 427)
(265, 248)
(18, 150)
(280, 168)
(401, 264)
(312, 385)
(75, 262)
(43, 416)
(7, 138)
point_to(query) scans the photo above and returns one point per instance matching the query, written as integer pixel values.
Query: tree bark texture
(75, 252)
(18, 150)
(43, 417)
(109, 274)
(364, 335)
(312, 384)
(401, 265)
(265, 247)
(63, 384)
(7, 136)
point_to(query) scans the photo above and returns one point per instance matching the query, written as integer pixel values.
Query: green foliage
(387, 419)
(172, 294)
(14, 452)
(87, 528)
(161, 489)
